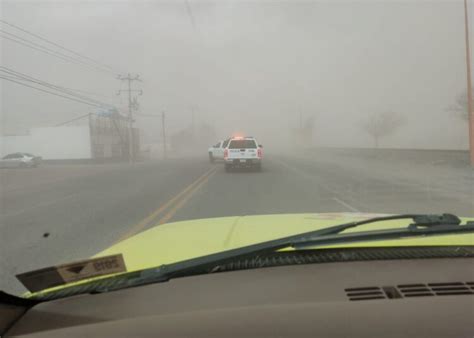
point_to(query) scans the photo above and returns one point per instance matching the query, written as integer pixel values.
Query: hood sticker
(72, 272)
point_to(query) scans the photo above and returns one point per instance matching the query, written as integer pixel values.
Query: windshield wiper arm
(418, 220)
(423, 225)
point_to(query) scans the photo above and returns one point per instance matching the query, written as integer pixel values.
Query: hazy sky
(252, 66)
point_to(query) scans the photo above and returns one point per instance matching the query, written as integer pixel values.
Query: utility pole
(129, 79)
(164, 134)
(470, 103)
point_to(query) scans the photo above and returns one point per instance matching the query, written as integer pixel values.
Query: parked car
(20, 160)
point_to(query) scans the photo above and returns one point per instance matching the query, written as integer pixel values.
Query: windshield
(138, 114)
(242, 144)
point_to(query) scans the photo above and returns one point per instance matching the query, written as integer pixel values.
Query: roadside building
(96, 136)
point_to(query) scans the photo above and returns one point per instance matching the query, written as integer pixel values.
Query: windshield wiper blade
(423, 226)
(418, 220)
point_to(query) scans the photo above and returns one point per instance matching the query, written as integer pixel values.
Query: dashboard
(409, 298)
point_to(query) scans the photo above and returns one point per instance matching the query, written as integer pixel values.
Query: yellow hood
(173, 242)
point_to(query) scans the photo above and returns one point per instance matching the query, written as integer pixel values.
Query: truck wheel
(211, 158)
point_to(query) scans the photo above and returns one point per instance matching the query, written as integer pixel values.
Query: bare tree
(460, 106)
(379, 125)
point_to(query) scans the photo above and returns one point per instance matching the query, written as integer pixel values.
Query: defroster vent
(411, 290)
(365, 293)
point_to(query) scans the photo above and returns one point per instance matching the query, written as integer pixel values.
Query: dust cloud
(264, 68)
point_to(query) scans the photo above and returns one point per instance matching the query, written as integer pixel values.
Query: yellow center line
(154, 214)
(183, 201)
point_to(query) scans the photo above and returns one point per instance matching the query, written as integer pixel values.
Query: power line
(51, 52)
(148, 115)
(112, 118)
(72, 120)
(32, 47)
(55, 54)
(52, 93)
(63, 87)
(49, 92)
(57, 45)
(88, 63)
(87, 92)
(20, 78)
(24, 77)
(81, 98)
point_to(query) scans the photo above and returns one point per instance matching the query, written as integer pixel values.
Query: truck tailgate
(242, 153)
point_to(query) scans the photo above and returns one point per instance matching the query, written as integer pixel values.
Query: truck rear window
(242, 144)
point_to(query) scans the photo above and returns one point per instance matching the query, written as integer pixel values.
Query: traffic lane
(435, 171)
(295, 185)
(101, 209)
(23, 179)
(31, 188)
(115, 196)
(18, 198)
(276, 189)
(377, 189)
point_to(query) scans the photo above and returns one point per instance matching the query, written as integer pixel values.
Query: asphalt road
(55, 214)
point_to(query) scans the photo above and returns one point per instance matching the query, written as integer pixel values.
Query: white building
(51, 143)
(100, 138)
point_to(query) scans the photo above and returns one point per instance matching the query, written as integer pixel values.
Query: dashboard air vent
(446, 289)
(411, 290)
(414, 290)
(365, 293)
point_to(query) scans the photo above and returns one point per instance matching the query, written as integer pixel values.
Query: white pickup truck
(216, 152)
(243, 152)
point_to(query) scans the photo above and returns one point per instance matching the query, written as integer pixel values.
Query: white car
(243, 152)
(20, 160)
(216, 152)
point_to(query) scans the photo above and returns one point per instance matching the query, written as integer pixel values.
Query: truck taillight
(226, 153)
(259, 153)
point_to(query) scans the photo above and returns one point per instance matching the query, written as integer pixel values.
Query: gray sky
(251, 66)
